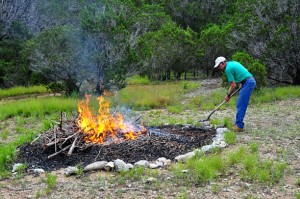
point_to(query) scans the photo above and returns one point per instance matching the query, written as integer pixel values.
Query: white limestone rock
(221, 130)
(161, 161)
(38, 171)
(17, 166)
(159, 164)
(206, 148)
(185, 157)
(99, 165)
(71, 171)
(130, 166)
(142, 163)
(109, 166)
(120, 165)
(219, 143)
(167, 163)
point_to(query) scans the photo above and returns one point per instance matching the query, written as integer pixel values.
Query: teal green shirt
(236, 72)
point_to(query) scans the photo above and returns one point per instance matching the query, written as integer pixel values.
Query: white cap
(219, 60)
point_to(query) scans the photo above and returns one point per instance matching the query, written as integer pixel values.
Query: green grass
(37, 107)
(21, 171)
(211, 101)
(227, 122)
(4, 134)
(149, 96)
(23, 134)
(51, 182)
(215, 122)
(7, 151)
(162, 95)
(235, 157)
(21, 90)
(267, 95)
(135, 173)
(298, 182)
(253, 147)
(26, 115)
(247, 165)
(175, 108)
(230, 137)
(138, 80)
(7, 155)
(264, 95)
(200, 170)
(30, 112)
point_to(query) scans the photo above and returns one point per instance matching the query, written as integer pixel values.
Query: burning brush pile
(105, 136)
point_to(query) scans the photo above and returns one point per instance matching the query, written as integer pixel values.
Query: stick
(137, 119)
(70, 137)
(61, 120)
(98, 154)
(54, 154)
(73, 146)
(54, 142)
(55, 147)
(36, 139)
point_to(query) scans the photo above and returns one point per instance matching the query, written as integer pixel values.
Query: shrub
(138, 80)
(257, 69)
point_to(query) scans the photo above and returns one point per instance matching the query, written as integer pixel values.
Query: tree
(170, 49)
(269, 30)
(14, 68)
(257, 69)
(116, 27)
(214, 42)
(55, 54)
(198, 14)
(11, 12)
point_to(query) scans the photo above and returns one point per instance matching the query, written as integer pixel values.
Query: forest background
(62, 44)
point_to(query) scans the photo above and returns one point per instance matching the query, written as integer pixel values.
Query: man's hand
(227, 98)
(231, 89)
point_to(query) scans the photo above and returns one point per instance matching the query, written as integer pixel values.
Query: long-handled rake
(207, 119)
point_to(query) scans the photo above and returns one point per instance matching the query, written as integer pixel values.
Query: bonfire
(104, 126)
(91, 129)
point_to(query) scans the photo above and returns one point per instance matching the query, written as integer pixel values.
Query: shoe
(237, 129)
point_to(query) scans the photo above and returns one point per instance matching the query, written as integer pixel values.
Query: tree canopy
(108, 40)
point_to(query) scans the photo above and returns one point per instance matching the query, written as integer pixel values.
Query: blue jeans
(243, 101)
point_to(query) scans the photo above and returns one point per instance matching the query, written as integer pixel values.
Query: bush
(138, 80)
(257, 69)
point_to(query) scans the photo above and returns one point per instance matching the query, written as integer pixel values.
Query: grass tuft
(205, 168)
(50, 181)
(230, 137)
(37, 107)
(21, 90)
(135, 173)
(138, 80)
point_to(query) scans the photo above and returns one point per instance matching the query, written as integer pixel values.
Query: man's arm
(230, 91)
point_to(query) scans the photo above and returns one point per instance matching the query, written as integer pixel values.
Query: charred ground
(163, 141)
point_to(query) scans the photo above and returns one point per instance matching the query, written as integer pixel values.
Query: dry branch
(73, 145)
(68, 136)
(54, 154)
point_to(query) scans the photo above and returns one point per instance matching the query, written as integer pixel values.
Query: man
(237, 73)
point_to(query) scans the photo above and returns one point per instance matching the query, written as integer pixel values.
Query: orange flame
(98, 128)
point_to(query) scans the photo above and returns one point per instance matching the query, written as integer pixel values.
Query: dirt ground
(275, 127)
